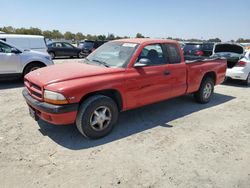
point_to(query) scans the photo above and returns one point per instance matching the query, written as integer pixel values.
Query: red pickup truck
(118, 76)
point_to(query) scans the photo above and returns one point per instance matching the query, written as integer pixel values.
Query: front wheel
(247, 81)
(97, 116)
(205, 92)
(52, 55)
(32, 67)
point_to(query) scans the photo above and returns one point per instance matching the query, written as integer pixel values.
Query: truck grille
(34, 90)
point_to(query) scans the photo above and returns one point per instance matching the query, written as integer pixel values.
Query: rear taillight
(241, 64)
(199, 53)
(93, 49)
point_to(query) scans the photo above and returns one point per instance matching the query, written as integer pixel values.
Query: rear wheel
(247, 81)
(97, 116)
(32, 67)
(205, 92)
(52, 55)
(80, 55)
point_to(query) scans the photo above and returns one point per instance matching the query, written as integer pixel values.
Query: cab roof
(146, 40)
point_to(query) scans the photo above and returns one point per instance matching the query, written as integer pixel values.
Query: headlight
(54, 97)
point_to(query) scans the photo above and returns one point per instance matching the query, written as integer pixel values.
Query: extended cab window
(154, 53)
(173, 53)
(5, 48)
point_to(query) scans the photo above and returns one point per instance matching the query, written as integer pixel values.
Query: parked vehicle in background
(16, 63)
(198, 49)
(89, 46)
(238, 66)
(207, 48)
(26, 42)
(62, 49)
(182, 44)
(120, 75)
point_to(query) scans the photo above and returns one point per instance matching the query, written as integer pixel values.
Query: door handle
(166, 73)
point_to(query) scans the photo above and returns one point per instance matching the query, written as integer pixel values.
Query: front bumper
(237, 73)
(55, 114)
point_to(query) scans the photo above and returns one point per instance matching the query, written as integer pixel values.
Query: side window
(5, 48)
(66, 45)
(154, 53)
(173, 54)
(58, 45)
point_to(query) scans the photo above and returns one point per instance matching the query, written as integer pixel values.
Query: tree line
(57, 35)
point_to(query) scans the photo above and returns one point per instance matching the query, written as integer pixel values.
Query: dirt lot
(177, 143)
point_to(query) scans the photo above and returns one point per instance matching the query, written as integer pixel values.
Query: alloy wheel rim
(100, 118)
(207, 90)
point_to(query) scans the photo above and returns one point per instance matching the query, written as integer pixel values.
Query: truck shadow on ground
(10, 84)
(132, 122)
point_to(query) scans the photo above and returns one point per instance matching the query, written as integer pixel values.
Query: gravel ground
(176, 143)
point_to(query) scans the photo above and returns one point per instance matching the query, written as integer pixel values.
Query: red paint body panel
(137, 86)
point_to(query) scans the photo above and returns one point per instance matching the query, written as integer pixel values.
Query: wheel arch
(210, 74)
(112, 93)
(32, 62)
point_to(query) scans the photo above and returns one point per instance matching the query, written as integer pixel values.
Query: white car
(238, 61)
(241, 71)
(15, 63)
(27, 42)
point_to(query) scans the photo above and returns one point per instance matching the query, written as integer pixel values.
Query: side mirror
(14, 51)
(142, 62)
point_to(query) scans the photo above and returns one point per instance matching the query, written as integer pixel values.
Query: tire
(87, 114)
(31, 67)
(80, 55)
(205, 92)
(247, 81)
(52, 55)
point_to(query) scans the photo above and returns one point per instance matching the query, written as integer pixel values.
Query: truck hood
(230, 48)
(68, 71)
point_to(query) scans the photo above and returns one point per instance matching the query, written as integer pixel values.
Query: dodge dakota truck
(120, 75)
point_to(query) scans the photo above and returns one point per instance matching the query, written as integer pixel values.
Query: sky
(202, 19)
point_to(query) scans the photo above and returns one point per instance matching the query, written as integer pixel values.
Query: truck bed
(197, 67)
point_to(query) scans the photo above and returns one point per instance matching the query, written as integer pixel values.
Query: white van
(26, 42)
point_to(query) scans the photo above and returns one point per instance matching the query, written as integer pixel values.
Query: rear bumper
(237, 73)
(54, 114)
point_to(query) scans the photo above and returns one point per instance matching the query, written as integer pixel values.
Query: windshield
(113, 54)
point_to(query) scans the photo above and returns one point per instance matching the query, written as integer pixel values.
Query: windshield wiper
(101, 62)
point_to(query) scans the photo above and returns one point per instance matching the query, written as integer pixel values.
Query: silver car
(15, 63)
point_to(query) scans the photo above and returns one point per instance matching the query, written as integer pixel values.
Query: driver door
(68, 49)
(150, 83)
(9, 62)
